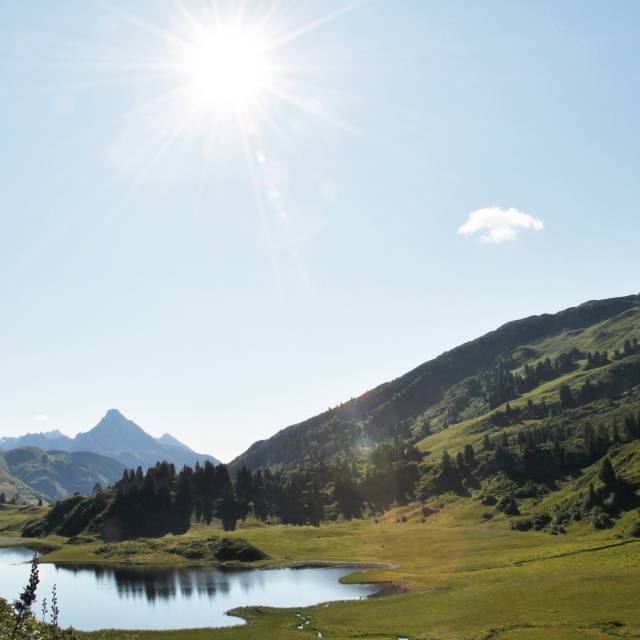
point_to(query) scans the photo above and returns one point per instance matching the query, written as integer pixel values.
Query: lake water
(92, 597)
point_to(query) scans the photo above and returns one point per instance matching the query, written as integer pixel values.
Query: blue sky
(223, 286)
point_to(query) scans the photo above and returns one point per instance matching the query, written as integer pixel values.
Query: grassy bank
(469, 578)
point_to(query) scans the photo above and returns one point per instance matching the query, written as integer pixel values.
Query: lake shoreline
(234, 595)
(46, 548)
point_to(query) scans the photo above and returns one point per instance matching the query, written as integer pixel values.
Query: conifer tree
(446, 462)
(22, 606)
(567, 401)
(607, 474)
(469, 456)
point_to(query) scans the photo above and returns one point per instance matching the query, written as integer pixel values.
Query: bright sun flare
(226, 67)
(223, 75)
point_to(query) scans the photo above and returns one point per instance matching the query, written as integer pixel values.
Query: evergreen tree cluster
(601, 503)
(600, 359)
(620, 379)
(502, 385)
(162, 500)
(3, 499)
(539, 454)
(513, 415)
(630, 348)
(546, 370)
(597, 359)
(596, 442)
(154, 502)
(390, 477)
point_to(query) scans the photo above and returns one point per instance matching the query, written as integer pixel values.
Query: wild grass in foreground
(18, 620)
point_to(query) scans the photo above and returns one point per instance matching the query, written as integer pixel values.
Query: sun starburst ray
(206, 77)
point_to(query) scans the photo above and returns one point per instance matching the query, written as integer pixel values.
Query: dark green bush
(508, 505)
(522, 525)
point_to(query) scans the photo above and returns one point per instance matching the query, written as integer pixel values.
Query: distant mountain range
(117, 437)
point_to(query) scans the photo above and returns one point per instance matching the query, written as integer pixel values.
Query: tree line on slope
(618, 380)
(534, 458)
(163, 499)
(502, 385)
(601, 359)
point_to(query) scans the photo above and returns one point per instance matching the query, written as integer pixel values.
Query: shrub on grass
(509, 506)
(522, 525)
(600, 518)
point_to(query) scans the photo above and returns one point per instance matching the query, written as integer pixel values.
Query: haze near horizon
(224, 222)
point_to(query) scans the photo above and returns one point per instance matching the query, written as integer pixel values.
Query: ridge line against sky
(43, 420)
(222, 224)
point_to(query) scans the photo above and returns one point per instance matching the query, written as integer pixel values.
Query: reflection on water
(98, 597)
(162, 583)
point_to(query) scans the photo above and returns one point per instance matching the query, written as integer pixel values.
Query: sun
(227, 77)
(226, 67)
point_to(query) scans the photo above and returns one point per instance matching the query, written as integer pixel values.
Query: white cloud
(499, 225)
(41, 418)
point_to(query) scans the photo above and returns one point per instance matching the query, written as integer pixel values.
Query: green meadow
(451, 567)
(456, 575)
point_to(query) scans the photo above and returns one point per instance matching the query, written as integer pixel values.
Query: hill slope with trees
(55, 475)
(462, 383)
(555, 420)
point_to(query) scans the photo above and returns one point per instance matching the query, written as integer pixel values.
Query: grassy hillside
(446, 389)
(607, 335)
(55, 475)
(13, 488)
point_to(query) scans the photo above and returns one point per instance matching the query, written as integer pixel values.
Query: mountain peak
(168, 439)
(115, 432)
(51, 435)
(114, 413)
(117, 437)
(114, 419)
